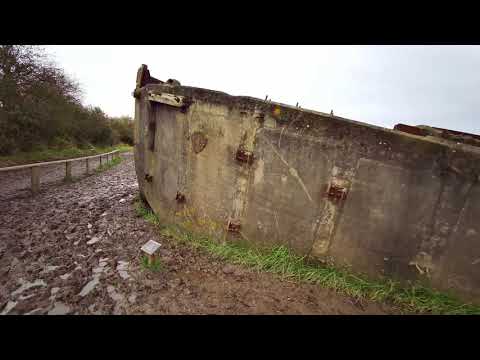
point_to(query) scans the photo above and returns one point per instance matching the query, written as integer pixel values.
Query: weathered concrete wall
(384, 202)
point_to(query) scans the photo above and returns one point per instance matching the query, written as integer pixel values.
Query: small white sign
(150, 247)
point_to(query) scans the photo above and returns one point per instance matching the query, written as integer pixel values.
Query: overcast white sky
(382, 85)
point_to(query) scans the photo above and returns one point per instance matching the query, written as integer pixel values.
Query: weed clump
(155, 266)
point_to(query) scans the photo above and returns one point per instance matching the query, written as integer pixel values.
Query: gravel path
(74, 249)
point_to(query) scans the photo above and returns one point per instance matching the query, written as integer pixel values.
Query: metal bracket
(180, 198)
(336, 192)
(167, 99)
(234, 226)
(244, 156)
(136, 93)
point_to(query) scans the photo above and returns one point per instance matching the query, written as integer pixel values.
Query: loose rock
(60, 309)
(65, 276)
(228, 269)
(90, 286)
(93, 240)
(27, 285)
(10, 305)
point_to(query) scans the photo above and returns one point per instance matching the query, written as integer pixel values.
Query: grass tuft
(155, 266)
(283, 262)
(108, 165)
(147, 214)
(123, 148)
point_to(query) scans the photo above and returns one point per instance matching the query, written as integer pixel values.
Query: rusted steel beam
(144, 77)
(458, 133)
(410, 130)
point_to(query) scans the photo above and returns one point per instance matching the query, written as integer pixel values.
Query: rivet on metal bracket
(234, 226)
(337, 192)
(180, 198)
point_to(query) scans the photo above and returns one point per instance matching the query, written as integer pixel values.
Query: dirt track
(74, 248)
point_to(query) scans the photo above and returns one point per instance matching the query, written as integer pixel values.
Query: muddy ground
(75, 249)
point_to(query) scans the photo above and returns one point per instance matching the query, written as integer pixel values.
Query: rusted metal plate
(336, 192)
(167, 99)
(180, 198)
(144, 78)
(199, 141)
(234, 226)
(446, 132)
(410, 130)
(244, 156)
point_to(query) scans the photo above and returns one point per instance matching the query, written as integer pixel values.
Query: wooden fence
(35, 173)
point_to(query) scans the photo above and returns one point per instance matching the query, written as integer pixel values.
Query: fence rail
(35, 173)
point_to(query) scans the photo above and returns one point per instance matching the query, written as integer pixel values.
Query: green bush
(40, 107)
(122, 129)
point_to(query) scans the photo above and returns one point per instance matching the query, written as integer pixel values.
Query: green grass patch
(124, 148)
(155, 266)
(108, 165)
(280, 260)
(58, 154)
(147, 214)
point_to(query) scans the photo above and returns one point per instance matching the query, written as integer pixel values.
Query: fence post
(35, 179)
(88, 166)
(68, 171)
(100, 157)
